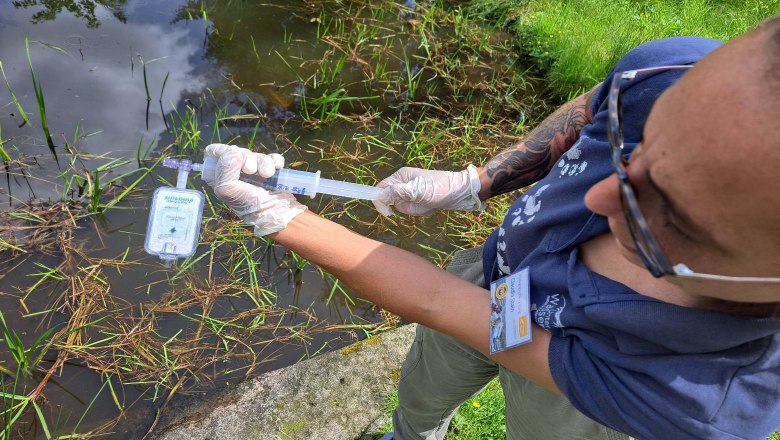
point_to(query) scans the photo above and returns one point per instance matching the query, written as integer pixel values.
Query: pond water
(330, 86)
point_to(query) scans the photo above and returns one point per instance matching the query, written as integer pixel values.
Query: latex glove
(267, 211)
(416, 191)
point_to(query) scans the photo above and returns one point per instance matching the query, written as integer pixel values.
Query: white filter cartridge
(174, 223)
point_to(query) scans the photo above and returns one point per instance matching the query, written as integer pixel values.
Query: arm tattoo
(532, 158)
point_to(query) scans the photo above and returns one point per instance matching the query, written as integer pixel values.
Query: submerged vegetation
(380, 86)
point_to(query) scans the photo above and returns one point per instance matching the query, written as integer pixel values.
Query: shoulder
(638, 97)
(666, 51)
(662, 52)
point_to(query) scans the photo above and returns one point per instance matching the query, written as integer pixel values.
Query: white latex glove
(416, 191)
(267, 211)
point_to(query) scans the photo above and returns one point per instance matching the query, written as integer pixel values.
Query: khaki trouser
(440, 373)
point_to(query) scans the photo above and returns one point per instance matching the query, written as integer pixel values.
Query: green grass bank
(576, 42)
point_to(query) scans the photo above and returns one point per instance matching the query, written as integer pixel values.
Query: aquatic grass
(243, 262)
(328, 25)
(41, 103)
(162, 91)
(419, 150)
(186, 128)
(18, 401)
(143, 173)
(330, 70)
(95, 192)
(146, 79)
(70, 147)
(289, 66)
(89, 184)
(16, 407)
(220, 116)
(205, 14)
(74, 434)
(412, 75)
(160, 366)
(25, 119)
(335, 286)
(27, 359)
(357, 157)
(254, 47)
(6, 158)
(45, 274)
(327, 107)
(141, 153)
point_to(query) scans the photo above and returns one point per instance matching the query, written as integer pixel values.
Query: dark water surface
(202, 64)
(90, 65)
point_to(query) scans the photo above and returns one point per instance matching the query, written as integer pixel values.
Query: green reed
(41, 103)
(186, 128)
(17, 402)
(27, 358)
(145, 77)
(19, 108)
(5, 157)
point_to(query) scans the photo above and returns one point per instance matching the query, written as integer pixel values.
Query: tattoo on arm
(532, 158)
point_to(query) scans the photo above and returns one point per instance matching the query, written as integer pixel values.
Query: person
(672, 159)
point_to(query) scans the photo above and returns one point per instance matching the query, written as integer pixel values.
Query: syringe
(299, 182)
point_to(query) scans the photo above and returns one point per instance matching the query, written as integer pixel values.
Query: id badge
(510, 316)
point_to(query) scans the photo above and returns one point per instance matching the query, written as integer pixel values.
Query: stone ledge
(335, 396)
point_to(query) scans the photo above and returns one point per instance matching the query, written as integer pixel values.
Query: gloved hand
(267, 211)
(416, 191)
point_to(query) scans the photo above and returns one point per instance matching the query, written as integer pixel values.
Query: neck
(603, 256)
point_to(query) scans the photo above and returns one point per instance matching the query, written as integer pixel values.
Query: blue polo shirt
(641, 366)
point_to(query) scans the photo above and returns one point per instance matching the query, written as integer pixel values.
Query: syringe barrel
(299, 182)
(287, 180)
(293, 181)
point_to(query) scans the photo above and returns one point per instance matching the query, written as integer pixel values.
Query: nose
(604, 198)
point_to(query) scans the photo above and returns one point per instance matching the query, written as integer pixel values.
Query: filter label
(174, 222)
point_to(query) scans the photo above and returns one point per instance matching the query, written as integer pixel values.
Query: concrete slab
(335, 396)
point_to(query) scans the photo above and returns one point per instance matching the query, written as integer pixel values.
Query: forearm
(532, 158)
(411, 287)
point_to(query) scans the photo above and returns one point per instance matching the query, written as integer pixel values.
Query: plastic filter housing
(303, 183)
(174, 223)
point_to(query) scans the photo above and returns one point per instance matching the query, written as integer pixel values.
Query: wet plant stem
(41, 103)
(19, 108)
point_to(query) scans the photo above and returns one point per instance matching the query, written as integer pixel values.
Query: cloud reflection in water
(88, 79)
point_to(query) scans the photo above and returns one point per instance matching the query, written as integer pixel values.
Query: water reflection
(93, 83)
(83, 9)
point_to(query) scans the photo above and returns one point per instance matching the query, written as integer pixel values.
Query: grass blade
(41, 104)
(41, 420)
(13, 97)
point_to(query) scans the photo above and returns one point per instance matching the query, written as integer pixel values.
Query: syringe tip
(170, 162)
(181, 164)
